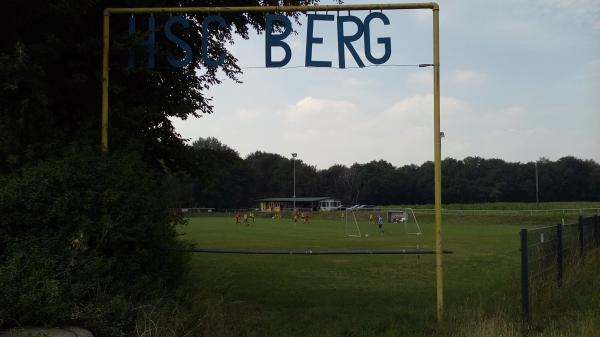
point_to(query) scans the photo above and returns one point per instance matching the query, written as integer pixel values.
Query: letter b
(276, 40)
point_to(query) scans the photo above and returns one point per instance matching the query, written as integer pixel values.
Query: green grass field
(378, 295)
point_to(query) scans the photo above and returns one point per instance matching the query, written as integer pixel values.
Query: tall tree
(332, 183)
(50, 78)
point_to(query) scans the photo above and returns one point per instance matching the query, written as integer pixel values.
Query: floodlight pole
(294, 160)
(537, 190)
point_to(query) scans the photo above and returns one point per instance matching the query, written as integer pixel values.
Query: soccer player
(237, 217)
(371, 218)
(252, 216)
(306, 218)
(380, 224)
(246, 219)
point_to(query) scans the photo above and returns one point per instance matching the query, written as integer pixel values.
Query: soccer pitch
(354, 295)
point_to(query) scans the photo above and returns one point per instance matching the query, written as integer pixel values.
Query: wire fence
(550, 253)
(420, 211)
(532, 212)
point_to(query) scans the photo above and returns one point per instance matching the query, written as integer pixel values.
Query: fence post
(597, 229)
(581, 246)
(559, 255)
(524, 276)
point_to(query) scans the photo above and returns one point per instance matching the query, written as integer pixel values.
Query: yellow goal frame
(437, 144)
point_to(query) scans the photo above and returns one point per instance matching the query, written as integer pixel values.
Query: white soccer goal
(407, 218)
(350, 219)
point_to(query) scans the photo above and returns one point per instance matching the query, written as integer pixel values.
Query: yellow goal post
(313, 8)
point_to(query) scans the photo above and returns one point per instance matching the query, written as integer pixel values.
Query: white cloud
(467, 76)
(421, 78)
(511, 133)
(423, 16)
(355, 82)
(339, 131)
(523, 29)
(593, 67)
(329, 131)
(247, 114)
(584, 10)
(310, 107)
(418, 110)
(506, 133)
(459, 76)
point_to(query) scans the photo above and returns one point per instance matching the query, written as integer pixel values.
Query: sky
(520, 80)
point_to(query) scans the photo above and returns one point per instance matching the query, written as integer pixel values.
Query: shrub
(82, 241)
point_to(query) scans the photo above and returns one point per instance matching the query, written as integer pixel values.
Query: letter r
(344, 40)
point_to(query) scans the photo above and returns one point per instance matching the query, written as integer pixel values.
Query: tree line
(222, 179)
(83, 234)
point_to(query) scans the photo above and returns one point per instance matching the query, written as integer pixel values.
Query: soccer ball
(366, 235)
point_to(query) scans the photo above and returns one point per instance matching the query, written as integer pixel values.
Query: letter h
(149, 43)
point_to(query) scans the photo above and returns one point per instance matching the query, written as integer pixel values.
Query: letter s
(178, 42)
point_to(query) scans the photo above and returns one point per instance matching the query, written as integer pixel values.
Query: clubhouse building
(304, 203)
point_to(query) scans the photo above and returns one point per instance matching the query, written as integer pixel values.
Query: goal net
(407, 219)
(357, 215)
(351, 227)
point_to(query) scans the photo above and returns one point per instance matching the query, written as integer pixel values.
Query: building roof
(298, 199)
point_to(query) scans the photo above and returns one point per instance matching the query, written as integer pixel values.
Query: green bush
(83, 241)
